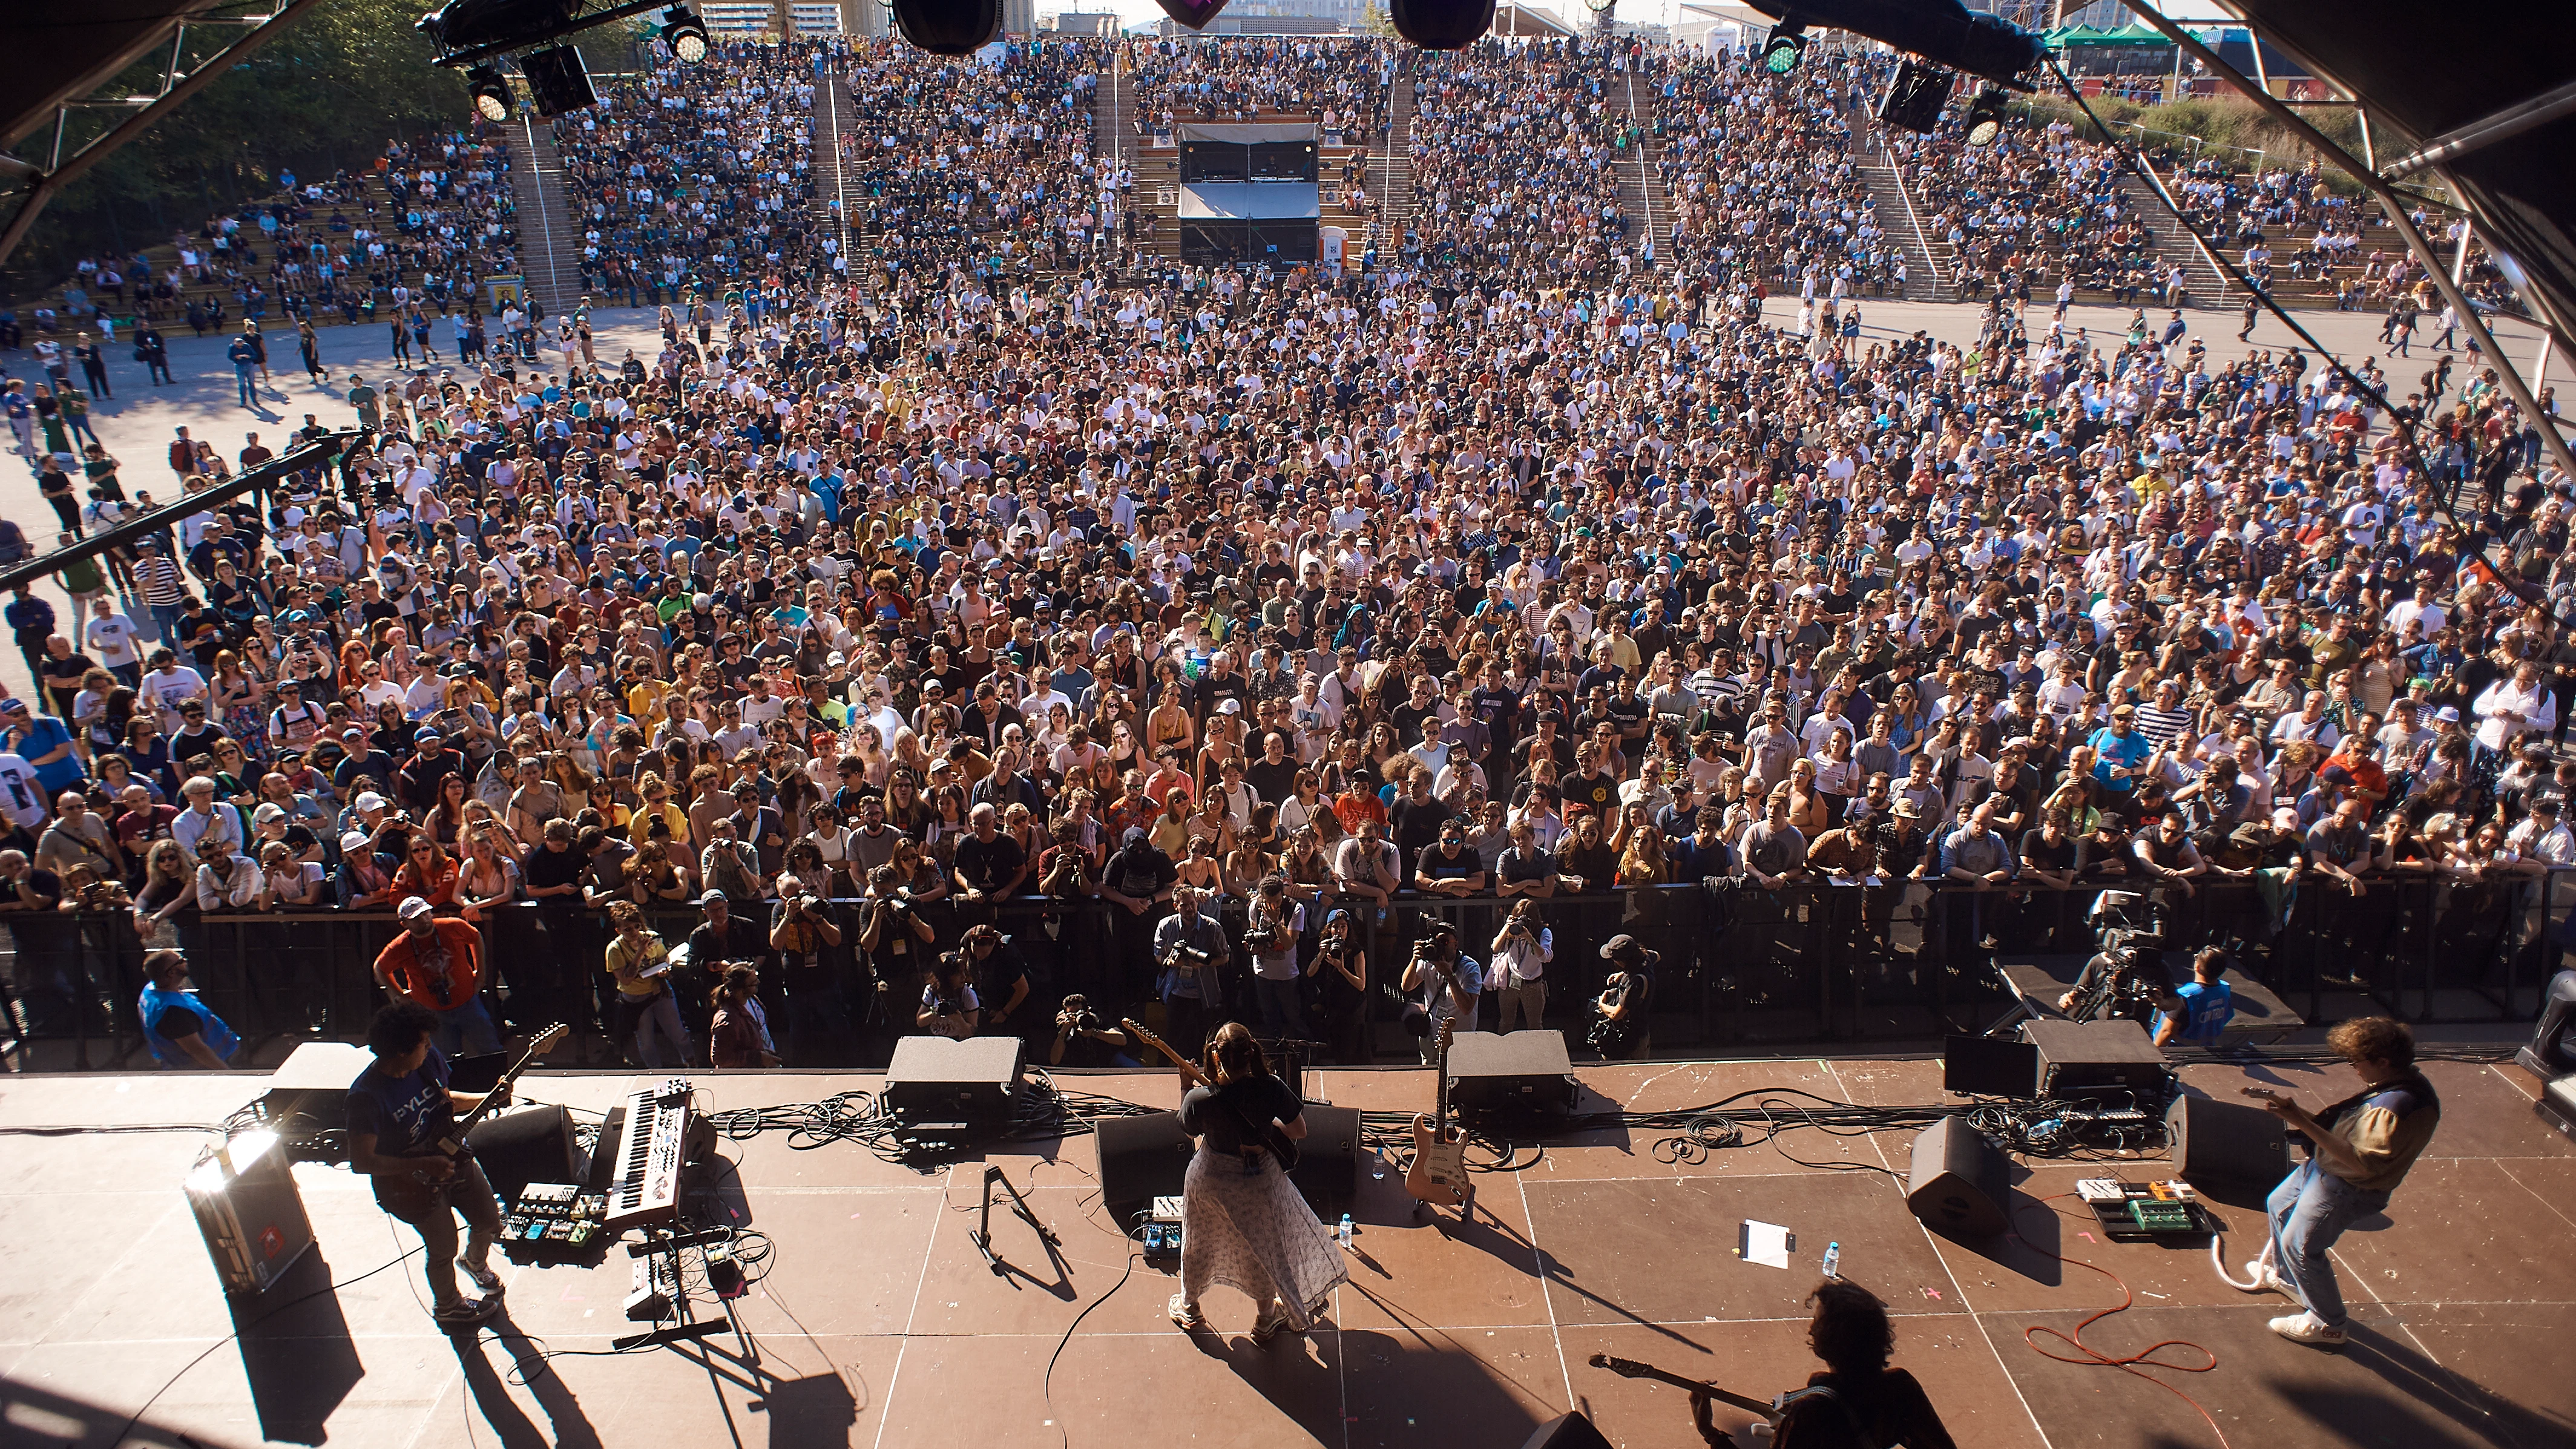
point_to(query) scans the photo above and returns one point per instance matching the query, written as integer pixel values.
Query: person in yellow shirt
(656, 794)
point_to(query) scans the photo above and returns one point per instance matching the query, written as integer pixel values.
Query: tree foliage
(328, 92)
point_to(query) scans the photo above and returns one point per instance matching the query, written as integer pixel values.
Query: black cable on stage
(1046, 1384)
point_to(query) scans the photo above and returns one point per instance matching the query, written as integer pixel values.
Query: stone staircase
(837, 214)
(2207, 286)
(1113, 99)
(1925, 281)
(1642, 192)
(1391, 164)
(549, 234)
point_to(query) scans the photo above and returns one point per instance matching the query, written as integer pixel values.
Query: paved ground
(138, 422)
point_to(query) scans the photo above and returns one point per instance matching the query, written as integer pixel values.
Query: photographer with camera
(818, 1021)
(1190, 950)
(949, 1005)
(1343, 964)
(1622, 1025)
(1518, 980)
(1449, 984)
(1273, 924)
(1083, 1040)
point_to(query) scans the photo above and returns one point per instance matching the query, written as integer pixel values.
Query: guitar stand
(670, 1246)
(982, 1236)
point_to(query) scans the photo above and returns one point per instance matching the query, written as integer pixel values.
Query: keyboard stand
(687, 1329)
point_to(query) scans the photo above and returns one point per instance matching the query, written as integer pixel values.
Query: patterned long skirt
(1254, 1233)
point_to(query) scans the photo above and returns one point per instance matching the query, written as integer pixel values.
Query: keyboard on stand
(651, 1149)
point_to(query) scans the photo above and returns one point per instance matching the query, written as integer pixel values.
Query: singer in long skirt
(1242, 1222)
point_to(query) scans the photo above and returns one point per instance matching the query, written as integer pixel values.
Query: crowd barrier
(1811, 962)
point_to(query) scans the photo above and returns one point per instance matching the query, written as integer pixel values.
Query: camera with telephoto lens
(1198, 956)
(2127, 977)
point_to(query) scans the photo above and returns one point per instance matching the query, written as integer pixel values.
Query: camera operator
(949, 1006)
(1191, 950)
(1001, 979)
(818, 1021)
(1623, 1023)
(1449, 984)
(1521, 952)
(1083, 1040)
(894, 935)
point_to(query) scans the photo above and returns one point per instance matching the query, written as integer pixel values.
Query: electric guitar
(1280, 1144)
(1629, 1368)
(1439, 1172)
(418, 1190)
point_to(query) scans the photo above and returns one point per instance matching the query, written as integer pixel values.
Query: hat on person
(712, 897)
(412, 908)
(354, 732)
(353, 842)
(1906, 807)
(1623, 947)
(268, 811)
(371, 801)
(428, 737)
(298, 616)
(1134, 833)
(1229, 706)
(2445, 714)
(12, 705)
(2335, 775)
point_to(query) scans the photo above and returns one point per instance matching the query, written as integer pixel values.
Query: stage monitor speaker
(1978, 1066)
(2220, 1144)
(1328, 1160)
(1567, 1431)
(476, 1075)
(525, 1145)
(2556, 1105)
(1526, 1071)
(1959, 1184)
(937, 1079)
(2092, 1056)
(1141, 1159)
(558, 80)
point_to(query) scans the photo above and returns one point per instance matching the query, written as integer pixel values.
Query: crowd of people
(1339, 82)
(945, 644)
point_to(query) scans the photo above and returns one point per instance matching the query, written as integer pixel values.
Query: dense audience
(1340, 82)
(929, 615)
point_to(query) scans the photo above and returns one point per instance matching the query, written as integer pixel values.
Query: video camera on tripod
(2126, 977)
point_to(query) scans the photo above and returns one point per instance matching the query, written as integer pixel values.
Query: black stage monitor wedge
(1143, 1158)
(1978, 1066)
(1526, 1071)
(2221, 1144)
(1328, 1161)
(528, 1144)
(935, 1079)
(1567, 1431)
(1959, 1184)
(2077, 1056)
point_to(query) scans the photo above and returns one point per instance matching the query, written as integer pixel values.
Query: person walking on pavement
(244, 356)
(153, 351)
(93, 361)
(2253, 310)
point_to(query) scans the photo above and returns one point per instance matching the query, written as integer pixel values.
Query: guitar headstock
(1626, 1368)
(1129, 1026)
(548, 1039)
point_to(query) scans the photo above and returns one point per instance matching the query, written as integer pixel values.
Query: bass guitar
(1438, 1176)
(1629, 1368)
(1279, 1144)
(418, 1191)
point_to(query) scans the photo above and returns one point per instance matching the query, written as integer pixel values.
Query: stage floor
(880, 1325)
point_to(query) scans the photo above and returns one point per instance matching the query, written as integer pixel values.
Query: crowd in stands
(1002, 628)
(1340, 82)
(956, 159)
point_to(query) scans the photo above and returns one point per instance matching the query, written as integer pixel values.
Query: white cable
(2218, 1261)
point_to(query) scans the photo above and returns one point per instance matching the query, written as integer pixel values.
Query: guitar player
(1856, 1400)
(399, 1109)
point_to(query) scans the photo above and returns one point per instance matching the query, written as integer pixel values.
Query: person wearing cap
(417, 781)
(436, 963)
(2119, 749)
(1623, 1021)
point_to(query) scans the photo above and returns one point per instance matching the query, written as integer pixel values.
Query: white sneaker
(2267, 1279)
(2307, 1328)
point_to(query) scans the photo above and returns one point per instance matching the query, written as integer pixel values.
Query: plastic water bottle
(1346, 1230)
(1834, 1260)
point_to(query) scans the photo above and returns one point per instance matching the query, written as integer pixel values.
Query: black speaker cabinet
(1526, 1071)
(1141, 1159)
(936, 1080)
(1959, 1184)
(525, 1145)
(1979, 1066)
(1328, 1161)
(2081, 1056)
(1567, 1431)
(2225, 1144)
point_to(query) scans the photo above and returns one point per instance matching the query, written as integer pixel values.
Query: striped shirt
(2161, 725)
(160, 580)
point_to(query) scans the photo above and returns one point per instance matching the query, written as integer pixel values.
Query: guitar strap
(1252, 1135)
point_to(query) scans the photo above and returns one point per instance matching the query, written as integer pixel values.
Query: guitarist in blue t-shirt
(400, 1110)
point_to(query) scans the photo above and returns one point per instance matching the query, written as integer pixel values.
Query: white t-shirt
(22, 799)
(168, 691)
(112, 638)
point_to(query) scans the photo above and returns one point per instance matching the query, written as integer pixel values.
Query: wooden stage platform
(880, 1325)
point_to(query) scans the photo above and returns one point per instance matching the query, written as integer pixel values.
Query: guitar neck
(1750, 1406)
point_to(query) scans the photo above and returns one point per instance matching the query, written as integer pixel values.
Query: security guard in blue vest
(178, 1026)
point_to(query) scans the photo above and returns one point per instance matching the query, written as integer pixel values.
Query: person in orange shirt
(437, 964)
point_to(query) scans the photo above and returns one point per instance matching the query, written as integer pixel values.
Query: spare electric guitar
(418, 1189)
(1629, 1368)
(1439, 1173)
(1279, 1144)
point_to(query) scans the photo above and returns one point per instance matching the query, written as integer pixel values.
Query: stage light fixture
(474, 24)
(558, 80)
(1192, 14)
(685, 33)
(491, 92)
(1442, 24)
(1986, 115)
(1788, 43)
(948, 27)
(1915, 96)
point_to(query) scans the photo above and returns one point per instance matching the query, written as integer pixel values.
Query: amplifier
(2556, 1105)
(246, 1204)
(1526, 1071)
(935, 1082)
(2083, 1056)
